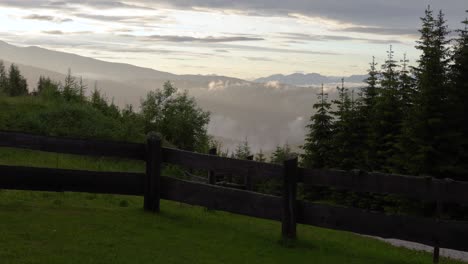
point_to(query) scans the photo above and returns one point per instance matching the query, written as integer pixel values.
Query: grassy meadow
(44, 227)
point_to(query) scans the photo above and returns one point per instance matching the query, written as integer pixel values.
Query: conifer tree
(3, 78)
(425, 133)
(82, 90)
(282, 154)
(17, 84)
(369, 122)
(47, 87)
(317, 147)
(243, 150)
(260, 157)
(389, 115)
(457, 100)
(71, 90)
(342, 129)
(406, 88)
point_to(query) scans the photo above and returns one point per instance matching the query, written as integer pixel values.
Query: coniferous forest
(407, 119)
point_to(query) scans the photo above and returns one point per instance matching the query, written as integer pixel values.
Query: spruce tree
(317, 147)
(71, 90)
(342, 129)
(389, 115)
(457, 100)
(260, 157)
(282, 154)
(17, 85)
(47, 87)
(425, 132)
(3, 79)
(243, 150)
(406, 88)
(366, 110)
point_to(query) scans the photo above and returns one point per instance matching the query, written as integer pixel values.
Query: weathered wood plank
(451, 234)
(57, 180)
(424, 188)
(220, 198)
(193, 160)
(73, 146)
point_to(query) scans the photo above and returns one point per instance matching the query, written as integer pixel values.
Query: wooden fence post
(289, 199)
(248, 177)
(439, 210)
(153, 173)
(211, 174)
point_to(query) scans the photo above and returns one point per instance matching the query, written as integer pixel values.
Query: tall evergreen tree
(260, 157)
(47, 87)
(3, 78)
(17, 84)
(369, 122)
(458, 98)
(388, 113)
(282, 154)
(317, 147)
(406, 88)
(71, 90)
(342, 129)
(243, 150)
(425, 132)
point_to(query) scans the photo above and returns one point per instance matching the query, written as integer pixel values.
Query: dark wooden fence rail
(151, 185)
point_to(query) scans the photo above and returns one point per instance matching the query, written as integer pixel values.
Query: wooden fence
(287, 209)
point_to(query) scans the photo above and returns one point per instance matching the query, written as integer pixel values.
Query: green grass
(42, 227)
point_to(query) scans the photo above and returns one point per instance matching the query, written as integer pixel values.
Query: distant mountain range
(301, 79)
(57, 61)
(267, 114)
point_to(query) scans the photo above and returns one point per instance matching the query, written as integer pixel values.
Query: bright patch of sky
(203, 40)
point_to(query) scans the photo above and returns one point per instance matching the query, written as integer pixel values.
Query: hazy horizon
(243, 39)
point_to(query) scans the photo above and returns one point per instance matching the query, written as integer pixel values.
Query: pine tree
(425, 133)
(389, 115)
(70, 90)
(406, 88)
(82, 90)
(3, 78)
(369, 122)
(317, 147)
(342, 129)
(97, 100)
(457, 100)
(260, 157)
(17, 85)
(282, 154)
(243, 150)
(47, 87)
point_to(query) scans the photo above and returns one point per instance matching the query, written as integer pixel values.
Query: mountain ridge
(301, 79)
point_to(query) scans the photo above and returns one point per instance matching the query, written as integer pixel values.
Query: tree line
(408, 120)
(172, 113)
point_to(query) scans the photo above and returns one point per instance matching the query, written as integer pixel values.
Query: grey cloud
(69, 5)
(382, 30)
(204, 40)
(107, 18)
(47, 18)
(389, 16)
(380, 13)
(53, 32)
(294, 37)
(258, 59)
(59, 32)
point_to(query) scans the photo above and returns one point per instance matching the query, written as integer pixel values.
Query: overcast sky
(240, 38)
